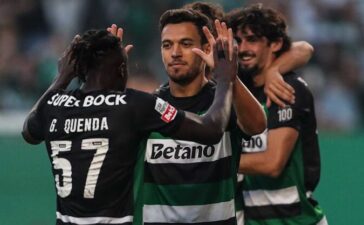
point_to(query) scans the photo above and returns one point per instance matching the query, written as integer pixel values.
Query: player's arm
(283, 132)
(271, 162)
(250, 115)
(209, 128)
(275, 88)
(65, 75)
(31, 124)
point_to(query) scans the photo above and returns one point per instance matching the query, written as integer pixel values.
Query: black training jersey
(300, 116)
(92, 141)
(288, 198)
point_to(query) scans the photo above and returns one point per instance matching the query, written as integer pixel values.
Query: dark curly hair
(94, 49)
(263, 22)
(211, 10)
(175, 16)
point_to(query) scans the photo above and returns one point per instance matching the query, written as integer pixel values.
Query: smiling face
(255, 52)
(178, 40)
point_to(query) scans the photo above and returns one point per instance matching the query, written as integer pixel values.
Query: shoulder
(211, 84)
(54, 96)
(298, 83)
(294, 113)
(210, 87)
(295, 79)
(162, 90)
(137, 95)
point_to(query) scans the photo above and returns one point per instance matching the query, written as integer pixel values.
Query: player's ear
(276, 45)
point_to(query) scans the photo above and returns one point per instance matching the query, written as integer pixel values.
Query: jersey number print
(285, 114)
(64, 188)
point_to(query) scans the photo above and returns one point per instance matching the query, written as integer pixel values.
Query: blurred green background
(27, 195)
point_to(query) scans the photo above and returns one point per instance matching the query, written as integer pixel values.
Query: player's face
(178, 40)
(254, 52)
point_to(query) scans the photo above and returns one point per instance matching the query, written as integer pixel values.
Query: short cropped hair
(175, 16)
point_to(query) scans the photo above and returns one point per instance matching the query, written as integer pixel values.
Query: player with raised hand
(171, 171)
(92, 133)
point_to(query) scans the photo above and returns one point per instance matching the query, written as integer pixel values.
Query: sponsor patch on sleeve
(167, 111)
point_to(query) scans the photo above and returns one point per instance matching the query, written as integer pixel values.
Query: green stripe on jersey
(156, 135)
(138, 184)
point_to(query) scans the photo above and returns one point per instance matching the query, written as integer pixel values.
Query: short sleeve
(155, 114)
(35, 127)
(293, 114)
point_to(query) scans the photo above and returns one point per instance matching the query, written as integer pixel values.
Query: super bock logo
(65, 100)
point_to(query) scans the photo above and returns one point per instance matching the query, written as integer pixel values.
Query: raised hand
(207, 57)
(225, 61)
(119, 32)
(222, 33)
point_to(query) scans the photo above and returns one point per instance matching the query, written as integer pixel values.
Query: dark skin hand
(250, 115)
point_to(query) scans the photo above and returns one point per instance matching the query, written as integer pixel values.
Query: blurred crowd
(33, 34)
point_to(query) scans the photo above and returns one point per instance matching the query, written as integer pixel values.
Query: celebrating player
(92, 134)
(281, 166)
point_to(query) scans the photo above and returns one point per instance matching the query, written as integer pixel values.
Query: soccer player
(92, 134)
(281, 166)
(275, 87)
(194, 183)
(168, 182)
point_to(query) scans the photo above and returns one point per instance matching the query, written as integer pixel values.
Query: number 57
(63, 190)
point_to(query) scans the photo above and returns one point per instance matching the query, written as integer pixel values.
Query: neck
(91, 85)
(259, 79)
(97, 81)
(190, 89)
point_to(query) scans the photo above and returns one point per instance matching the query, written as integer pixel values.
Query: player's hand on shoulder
(276, 89)
(119, 32)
